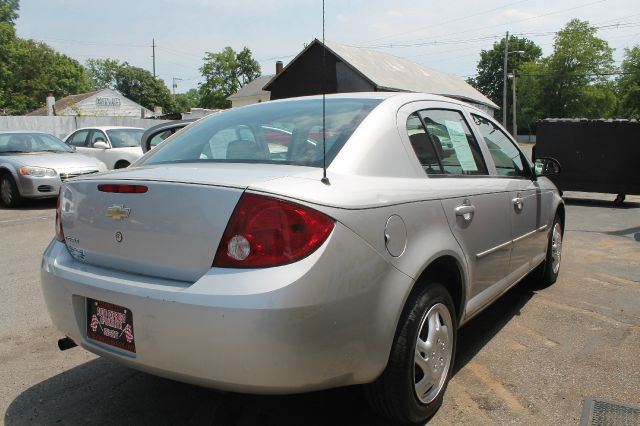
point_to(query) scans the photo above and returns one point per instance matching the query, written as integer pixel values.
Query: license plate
(110, 324)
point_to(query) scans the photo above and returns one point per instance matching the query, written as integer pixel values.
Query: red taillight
(59, 231)
(265, 232)
(123, 189)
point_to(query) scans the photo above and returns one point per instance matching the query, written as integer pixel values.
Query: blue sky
(445, 35)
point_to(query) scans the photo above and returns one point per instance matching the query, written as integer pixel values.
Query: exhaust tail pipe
(66, 343)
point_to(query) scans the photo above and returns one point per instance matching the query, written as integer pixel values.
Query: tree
(9, 11)
(186, 101)
(490, 69)
(103, 72)
(29, 69)
(139, 85)
(135, 83)
(577, 84)
(225, 73)
(628, 84)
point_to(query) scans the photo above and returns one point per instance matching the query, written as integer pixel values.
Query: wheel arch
(446, 269)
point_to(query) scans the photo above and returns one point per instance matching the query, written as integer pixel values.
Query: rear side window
(507, 158)
(286, 132)
(444, 143)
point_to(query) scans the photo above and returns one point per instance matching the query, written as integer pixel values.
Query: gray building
(251, 93)
(354, 69)
(100, 103)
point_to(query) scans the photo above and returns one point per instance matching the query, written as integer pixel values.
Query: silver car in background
(225, 258)
(34, 165)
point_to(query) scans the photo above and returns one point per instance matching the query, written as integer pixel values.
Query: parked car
(158, 133)
(117, 147)
(34, 164)
(220, 261)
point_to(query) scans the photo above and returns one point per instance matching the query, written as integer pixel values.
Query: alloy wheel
(433, 353)
(556, 248)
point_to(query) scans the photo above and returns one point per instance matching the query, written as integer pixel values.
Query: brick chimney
(51, 103)
(279, 67)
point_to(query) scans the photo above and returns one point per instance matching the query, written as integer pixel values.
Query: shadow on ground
(592, 202)
(101, 392)
(27, 204)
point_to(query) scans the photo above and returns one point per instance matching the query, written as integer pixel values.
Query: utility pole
(153, 50)
(515, 126)
(504, 81)
(175, 85)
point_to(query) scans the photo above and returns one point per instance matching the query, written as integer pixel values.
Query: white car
(117, 147)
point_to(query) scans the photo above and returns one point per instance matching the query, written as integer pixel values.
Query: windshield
(123, 138)
(288, 132)
(13, 143)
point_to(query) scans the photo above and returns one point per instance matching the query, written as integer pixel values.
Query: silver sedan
(34, 165)
(227, 257)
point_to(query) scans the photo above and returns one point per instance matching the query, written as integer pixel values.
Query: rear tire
(412, 386)
(9, 193)
(122, 164)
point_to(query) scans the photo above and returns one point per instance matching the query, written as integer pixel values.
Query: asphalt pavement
(531, 358)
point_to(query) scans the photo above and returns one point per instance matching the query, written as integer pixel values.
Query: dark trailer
(595, 155)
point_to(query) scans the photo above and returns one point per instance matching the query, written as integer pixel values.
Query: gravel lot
(529, 359)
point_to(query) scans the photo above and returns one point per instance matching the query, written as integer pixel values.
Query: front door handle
(466, 211)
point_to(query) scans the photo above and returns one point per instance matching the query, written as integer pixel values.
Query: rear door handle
(466, 211)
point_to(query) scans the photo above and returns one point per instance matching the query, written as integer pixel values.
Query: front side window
(507, 158)
(97, 136)
(444, 143)
(286, 132)
(79, 138)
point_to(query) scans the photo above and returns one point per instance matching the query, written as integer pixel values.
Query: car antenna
(324, 179)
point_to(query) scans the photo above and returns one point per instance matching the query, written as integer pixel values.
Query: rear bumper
(326, 321)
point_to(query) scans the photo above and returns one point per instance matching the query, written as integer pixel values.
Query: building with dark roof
(354, 69)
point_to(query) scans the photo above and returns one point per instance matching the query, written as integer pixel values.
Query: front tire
(412, 386)
(551, 267)
(9, 193)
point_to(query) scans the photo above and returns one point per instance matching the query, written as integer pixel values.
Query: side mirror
(100, 145)
(547, 166)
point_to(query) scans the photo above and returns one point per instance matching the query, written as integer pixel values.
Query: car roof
(109, 128)
(397, 97)
(4, 132)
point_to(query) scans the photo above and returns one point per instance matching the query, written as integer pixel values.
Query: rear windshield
(288, 132)
(123, 138)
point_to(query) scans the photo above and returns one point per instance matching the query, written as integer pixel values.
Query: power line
(445, 22)
(419, 41)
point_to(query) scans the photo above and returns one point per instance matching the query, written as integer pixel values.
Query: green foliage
(575, 83)
(134, 83)
(9, 11)
(102, 72)
(225, 73)
(628, 84)
(29, 69)
(186, 101)
(490, 69)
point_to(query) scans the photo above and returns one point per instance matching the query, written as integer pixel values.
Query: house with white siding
(99, 103)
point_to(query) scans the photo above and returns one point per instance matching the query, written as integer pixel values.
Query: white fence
(62, 126)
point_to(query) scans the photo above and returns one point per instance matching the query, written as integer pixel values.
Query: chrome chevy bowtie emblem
(118, 212)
